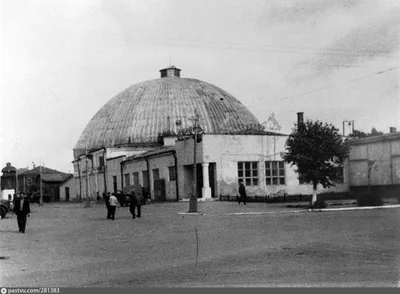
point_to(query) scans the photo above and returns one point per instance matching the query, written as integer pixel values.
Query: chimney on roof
(300, 118)
(392, 130)
(171, 71)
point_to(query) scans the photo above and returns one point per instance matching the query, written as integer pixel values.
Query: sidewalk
(233, 208)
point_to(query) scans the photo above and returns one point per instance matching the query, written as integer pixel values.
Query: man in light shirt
(113, 205)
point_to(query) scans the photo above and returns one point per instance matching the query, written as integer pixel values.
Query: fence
(287, 198)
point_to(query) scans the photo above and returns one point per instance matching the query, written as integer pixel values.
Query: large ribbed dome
(138, 114)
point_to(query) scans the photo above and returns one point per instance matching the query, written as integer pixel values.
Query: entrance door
(115, 184)
(199, 183)
(66, 193)
(211, 172)
(188, 180)
(159, 190)
(55, 194)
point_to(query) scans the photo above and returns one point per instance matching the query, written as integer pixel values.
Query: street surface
(67, 245)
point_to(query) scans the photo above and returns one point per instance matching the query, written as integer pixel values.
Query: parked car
(5, 207)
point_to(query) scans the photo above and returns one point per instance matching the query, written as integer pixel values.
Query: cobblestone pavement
(66, 244)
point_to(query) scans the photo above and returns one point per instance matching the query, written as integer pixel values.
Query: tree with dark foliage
(360, 134)
(317, 149)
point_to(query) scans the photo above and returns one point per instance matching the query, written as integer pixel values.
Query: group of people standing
(135, 204)
(22, 205)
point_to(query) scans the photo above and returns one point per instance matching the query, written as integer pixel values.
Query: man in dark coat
(242, 193)
(107, 200)
(22, 209)
(121, 198)
(136, 197)
(132, 203)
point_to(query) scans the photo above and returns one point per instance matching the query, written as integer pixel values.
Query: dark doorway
(66, 193)
(199, 183)
(115, 184)
(188, 180)
(159, 190)
(145, 175)
(55, 193)
(211, 173)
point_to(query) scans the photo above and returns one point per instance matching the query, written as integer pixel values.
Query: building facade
(68, 189)
(374, 163)
(145, 135)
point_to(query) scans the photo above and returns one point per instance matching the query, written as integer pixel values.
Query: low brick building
(51, 180)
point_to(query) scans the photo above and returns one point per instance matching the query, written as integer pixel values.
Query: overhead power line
(279, 49)
(349, 81)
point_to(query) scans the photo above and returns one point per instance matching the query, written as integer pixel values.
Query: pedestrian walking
(113, 206)
(242, 193)
(146, 195)
(135, 203)
(22, 210)
(107, 200)
(121, 198)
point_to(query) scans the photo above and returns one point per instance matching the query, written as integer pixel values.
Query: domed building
(140, 113)
(144, 135)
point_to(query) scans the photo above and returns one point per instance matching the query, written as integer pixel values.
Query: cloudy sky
(62, 60)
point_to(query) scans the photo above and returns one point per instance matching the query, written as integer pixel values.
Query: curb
(264, 212)
(191, 213)
(200, 200)
(294, 211)
(354, 208)
(243, 213)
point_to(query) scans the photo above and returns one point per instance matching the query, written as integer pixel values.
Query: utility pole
(87, 182)
(78, 164)
(16, 181)
(193, 198)
(41, 188)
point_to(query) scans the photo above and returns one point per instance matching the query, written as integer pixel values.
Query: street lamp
(41, 187)
(197, 133)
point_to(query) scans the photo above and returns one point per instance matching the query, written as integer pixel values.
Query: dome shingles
(142, 111)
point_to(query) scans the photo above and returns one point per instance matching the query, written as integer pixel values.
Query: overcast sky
(62, 60)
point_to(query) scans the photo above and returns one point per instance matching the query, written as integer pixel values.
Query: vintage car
(5, 207)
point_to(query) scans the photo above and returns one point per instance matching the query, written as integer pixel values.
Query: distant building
(379, 154)
(9, 177)
(68, 189)
(29, 182)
